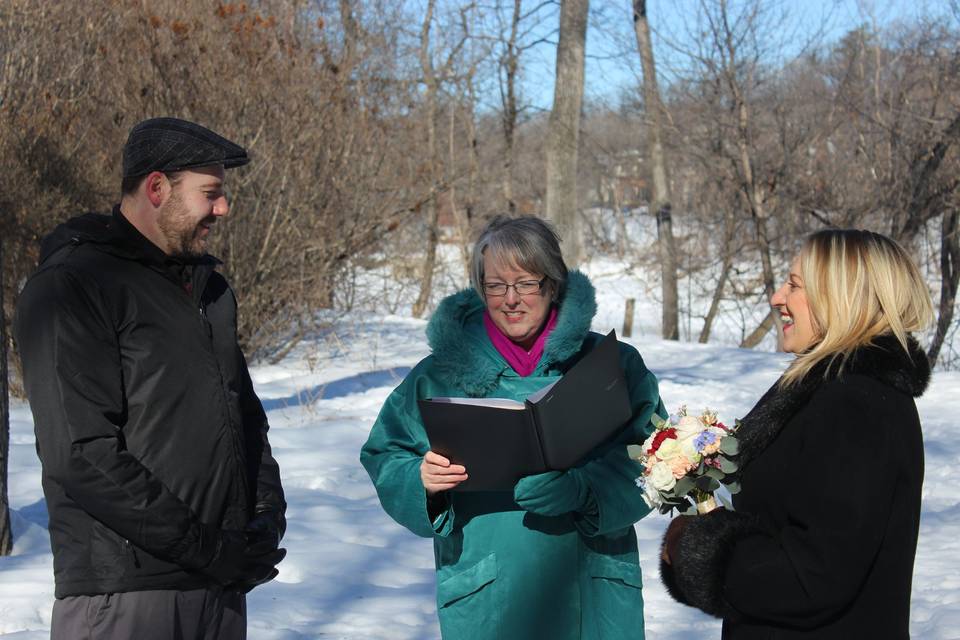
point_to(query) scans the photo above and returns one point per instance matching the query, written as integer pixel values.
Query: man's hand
(243, 560)
(267, 525)
(438, 474)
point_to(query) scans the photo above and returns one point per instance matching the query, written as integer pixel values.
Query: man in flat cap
(164, 498)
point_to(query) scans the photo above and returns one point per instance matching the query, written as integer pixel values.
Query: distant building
(623, 180)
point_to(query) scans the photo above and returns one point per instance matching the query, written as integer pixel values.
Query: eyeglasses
(523, 288)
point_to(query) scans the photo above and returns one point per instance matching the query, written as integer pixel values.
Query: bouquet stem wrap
(704, 501)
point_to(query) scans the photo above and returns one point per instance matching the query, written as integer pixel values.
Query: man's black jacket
(148, 429)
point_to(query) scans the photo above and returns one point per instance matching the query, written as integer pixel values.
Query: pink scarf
(521, 360)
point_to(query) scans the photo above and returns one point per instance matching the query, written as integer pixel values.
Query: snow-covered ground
(351, 572)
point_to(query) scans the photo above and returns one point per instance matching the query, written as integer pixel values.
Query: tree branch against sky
(612, 65)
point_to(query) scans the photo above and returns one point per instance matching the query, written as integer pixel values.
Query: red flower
(659, 438)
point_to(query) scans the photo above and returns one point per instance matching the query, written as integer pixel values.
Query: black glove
(243, 560)
(267, 525)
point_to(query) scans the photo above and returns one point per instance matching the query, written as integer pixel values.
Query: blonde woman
(822, 540)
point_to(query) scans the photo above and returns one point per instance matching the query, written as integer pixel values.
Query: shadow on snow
(339, 388)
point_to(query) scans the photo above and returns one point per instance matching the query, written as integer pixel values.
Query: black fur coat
(823, 536)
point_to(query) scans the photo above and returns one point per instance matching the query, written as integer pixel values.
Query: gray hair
(526, 242)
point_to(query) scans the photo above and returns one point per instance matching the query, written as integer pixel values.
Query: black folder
(499, 440)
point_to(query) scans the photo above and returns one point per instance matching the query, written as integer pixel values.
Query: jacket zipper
(234, 433)
(133, 552)
(207, 329)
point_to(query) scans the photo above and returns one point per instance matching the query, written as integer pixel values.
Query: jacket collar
(462, 350)
(883, 360)
(115, 235)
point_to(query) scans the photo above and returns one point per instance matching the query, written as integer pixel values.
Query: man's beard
(179, 230)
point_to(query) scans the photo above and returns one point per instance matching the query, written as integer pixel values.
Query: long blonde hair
(859, 285)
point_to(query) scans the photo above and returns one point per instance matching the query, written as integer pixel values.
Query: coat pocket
(617, 598)
(469, 603)
(108, 556)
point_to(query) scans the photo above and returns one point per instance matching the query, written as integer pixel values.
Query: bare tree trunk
(463, 215)
(921, 205)
(351, 33)
(622, 231)
(949, 278)
(431, 82)
(756, 337)
(563, 134)
(715, 300)
(508, 95)
(730, 250)
(662, 200)
(429, 262)
(753, 194)
(474, 170)
(6, 534)
(628, 317)
(459, 216)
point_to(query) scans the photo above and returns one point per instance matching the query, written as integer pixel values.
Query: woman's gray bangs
(529, 244)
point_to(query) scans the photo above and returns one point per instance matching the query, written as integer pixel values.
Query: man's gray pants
(199, 614)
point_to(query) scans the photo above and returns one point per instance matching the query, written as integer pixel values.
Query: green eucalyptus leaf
(669, 504)
(723, 500)
(657, 421)
(714, 473)
(708, 484)
(727, 466)
(729, 445)
(683, 486)
(733, 487)
(635, 451)
(681, 504)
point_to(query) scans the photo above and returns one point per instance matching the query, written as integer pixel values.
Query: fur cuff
(696, 576)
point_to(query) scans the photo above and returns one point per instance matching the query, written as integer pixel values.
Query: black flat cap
(170, 144)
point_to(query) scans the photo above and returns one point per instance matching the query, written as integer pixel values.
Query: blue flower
(705, 439)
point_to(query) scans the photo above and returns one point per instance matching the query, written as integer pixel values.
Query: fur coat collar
(884, 360)
(463, 352)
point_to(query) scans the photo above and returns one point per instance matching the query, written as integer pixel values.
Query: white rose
(689, 450)
(661, 477)
(688, 426)
(668, 449)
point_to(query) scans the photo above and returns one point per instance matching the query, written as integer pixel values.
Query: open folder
(500, 440)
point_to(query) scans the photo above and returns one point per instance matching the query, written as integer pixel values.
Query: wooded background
(379, 129)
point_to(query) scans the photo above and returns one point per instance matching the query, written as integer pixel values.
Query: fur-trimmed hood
(884, 360)
(463, 352)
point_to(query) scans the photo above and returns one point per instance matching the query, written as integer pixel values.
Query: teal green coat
(502, 572)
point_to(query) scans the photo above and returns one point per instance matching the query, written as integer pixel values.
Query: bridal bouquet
(685, 460)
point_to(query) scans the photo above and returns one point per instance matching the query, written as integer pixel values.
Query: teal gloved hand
(553, 493)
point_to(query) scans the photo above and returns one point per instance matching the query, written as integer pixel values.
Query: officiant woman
(822, 541)
(557, 556)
